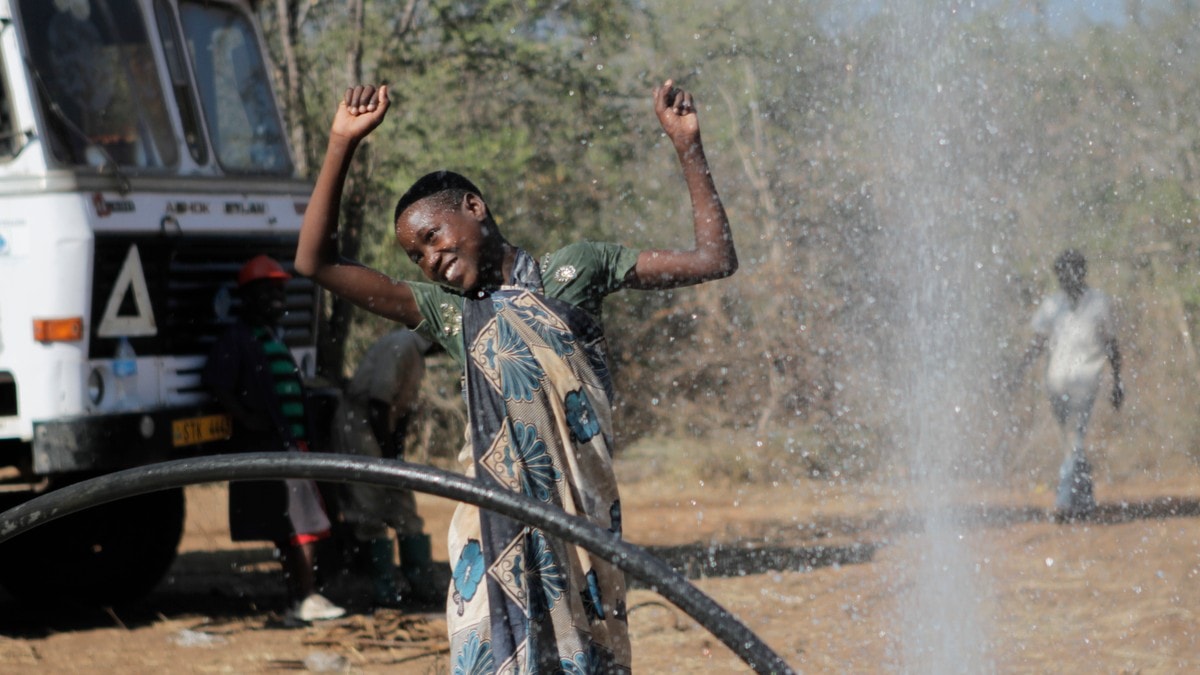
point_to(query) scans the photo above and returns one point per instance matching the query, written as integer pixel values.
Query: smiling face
(454, 246)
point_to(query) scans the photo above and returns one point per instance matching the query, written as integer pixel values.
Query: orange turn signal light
(58, 330)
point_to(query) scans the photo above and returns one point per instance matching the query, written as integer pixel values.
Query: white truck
(143, 160)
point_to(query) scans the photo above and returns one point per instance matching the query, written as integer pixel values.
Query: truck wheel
(107, 555)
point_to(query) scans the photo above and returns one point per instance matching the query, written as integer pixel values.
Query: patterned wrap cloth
(538, 391)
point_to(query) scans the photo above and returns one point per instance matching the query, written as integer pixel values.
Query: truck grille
(189, 278)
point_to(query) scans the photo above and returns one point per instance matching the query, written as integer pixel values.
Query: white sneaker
(316, 607)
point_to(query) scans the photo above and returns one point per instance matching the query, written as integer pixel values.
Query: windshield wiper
(110, 164)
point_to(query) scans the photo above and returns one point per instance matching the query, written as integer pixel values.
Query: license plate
(195, 430)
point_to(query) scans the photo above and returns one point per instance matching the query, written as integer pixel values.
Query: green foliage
(1089, 139)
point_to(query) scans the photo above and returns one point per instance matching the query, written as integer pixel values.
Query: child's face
(447, 244)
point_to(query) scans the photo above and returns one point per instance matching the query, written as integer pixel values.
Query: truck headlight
(95, 386)
(146, 426)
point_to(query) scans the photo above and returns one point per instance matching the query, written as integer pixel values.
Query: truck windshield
(98, 83)
(235, 90)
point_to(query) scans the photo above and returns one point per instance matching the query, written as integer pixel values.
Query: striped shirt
(286, 377)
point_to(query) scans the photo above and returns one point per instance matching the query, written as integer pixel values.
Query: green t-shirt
(580, 274)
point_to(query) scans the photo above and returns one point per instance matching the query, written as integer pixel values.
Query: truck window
(97, 83)
(177, 70)
(235, 89)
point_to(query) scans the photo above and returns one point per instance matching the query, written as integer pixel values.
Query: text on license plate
(195, 430)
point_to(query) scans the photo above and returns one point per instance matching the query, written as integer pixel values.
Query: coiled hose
(395, 474)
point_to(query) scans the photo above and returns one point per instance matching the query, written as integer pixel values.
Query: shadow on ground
(228, 586)
(760, 553)
(245, 584)
(697, 561)
(1106, 513)
(222, 585)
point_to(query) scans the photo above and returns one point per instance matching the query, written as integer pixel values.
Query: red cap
(261, 267)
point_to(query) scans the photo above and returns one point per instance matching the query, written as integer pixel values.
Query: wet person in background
(1075, 325)
(372, 420)
(252, 374)
(528, 334)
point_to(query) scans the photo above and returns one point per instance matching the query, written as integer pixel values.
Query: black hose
(393, 474)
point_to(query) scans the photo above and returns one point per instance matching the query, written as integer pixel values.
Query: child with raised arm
(538, 392)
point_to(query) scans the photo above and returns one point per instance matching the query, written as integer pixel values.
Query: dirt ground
(823, 573)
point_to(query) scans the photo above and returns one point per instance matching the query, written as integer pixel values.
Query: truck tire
(108, 555)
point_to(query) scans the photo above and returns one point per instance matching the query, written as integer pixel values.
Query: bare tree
(289, 16)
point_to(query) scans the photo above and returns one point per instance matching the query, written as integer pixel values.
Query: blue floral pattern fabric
(468, 571)
(475, 658)
(540, 424)
(580, 417)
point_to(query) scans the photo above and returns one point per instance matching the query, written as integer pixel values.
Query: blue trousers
(1074, 497)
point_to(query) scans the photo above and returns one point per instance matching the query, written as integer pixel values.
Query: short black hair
(1071, 261)
(447, 188)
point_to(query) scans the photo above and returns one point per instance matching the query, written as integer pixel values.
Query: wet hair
(1071, 264)
(446, 189)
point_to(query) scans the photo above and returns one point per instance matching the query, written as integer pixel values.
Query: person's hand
(1118, 394)
(677, 115)
(362, 109)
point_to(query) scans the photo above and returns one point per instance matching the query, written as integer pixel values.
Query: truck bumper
(113, 442)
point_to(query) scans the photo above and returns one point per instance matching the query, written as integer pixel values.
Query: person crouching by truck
(251, 372)
(372, 420)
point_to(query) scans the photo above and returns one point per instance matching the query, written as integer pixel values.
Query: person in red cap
(251, 372)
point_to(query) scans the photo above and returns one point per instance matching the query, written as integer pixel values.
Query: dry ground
(1115, 595)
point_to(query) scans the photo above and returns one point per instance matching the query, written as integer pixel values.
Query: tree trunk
(286, 14)
(772, 346)
(331, 345)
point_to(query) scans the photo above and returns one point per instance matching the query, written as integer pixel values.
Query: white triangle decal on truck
(130, 279)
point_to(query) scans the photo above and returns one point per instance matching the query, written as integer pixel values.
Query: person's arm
(1036, 346)
(317, 256)
(713, 256)
(1113, 351)
(379, 415)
